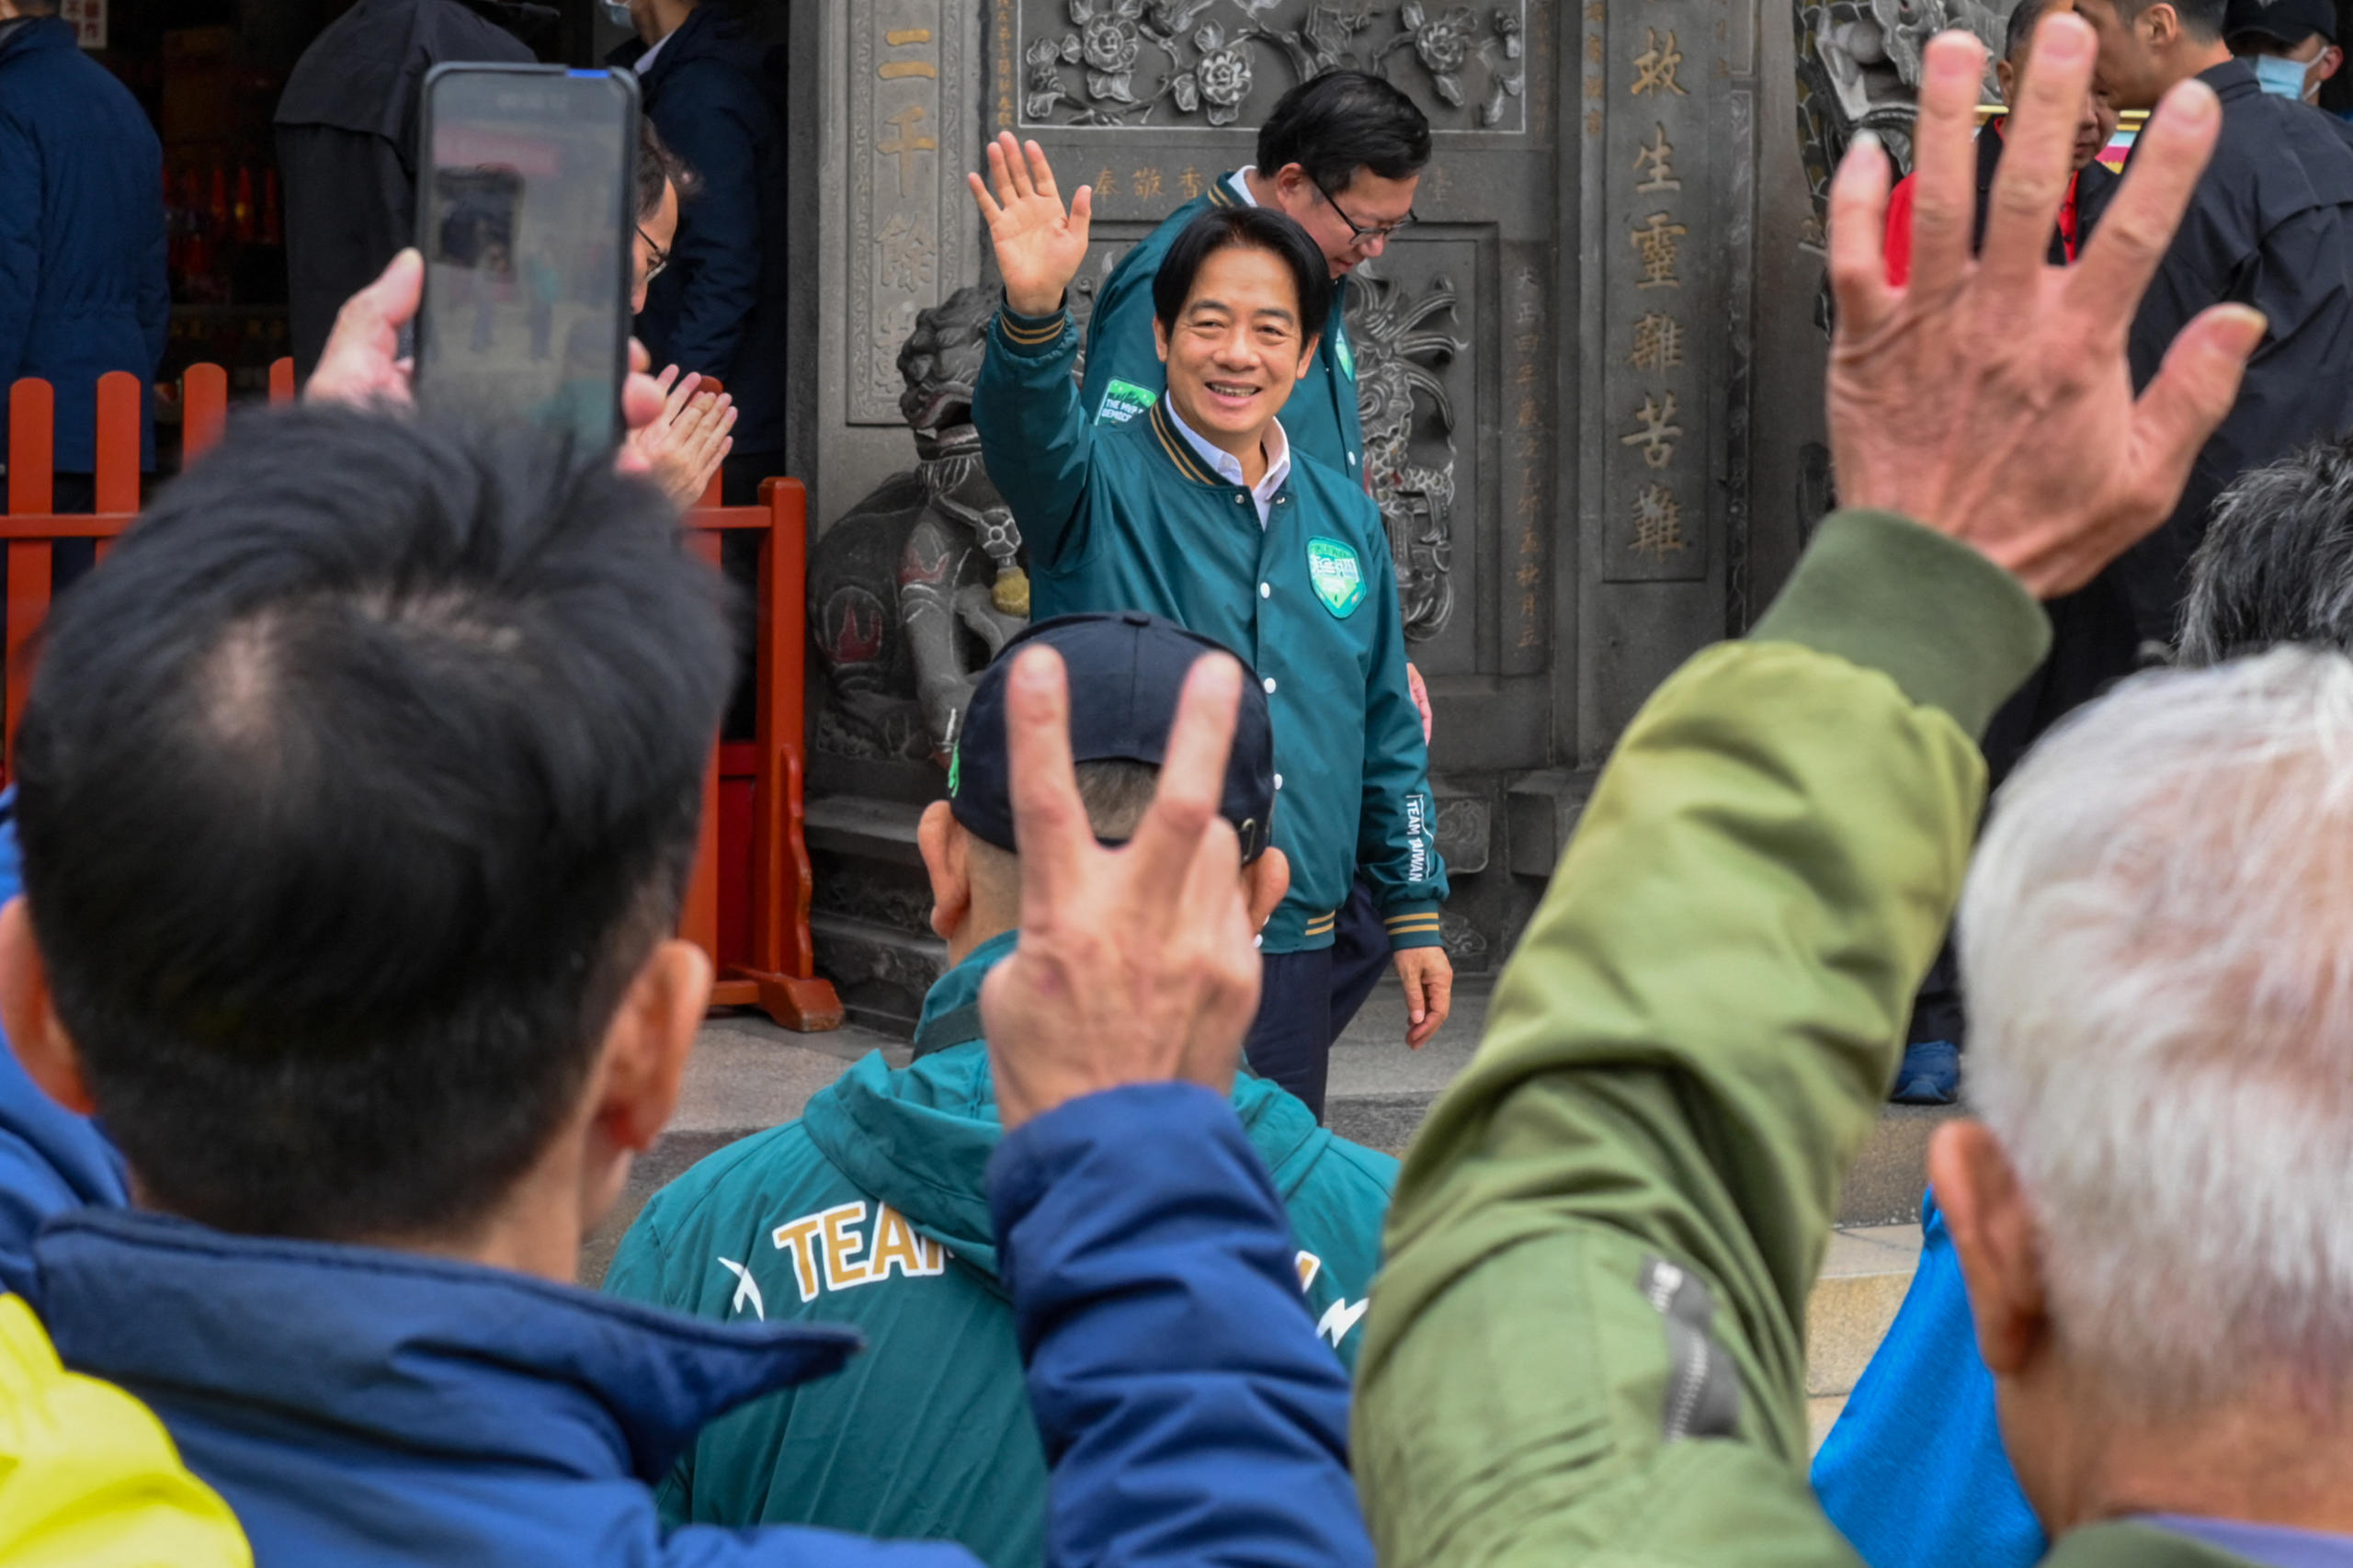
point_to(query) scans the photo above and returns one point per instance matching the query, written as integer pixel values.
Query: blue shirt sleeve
(1914, 1474)
(1189, 1411)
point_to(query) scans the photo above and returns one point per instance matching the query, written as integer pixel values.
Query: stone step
(1864, 1276)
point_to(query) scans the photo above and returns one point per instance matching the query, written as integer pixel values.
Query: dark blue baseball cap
(1126, 671)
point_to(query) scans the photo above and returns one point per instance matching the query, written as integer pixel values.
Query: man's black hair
(1250, 228)
(2200, 18)
(1339, 122)
(657, 166)
(2277, 562)
(353, 789)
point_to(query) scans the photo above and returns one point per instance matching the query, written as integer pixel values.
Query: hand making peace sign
(1040, 246)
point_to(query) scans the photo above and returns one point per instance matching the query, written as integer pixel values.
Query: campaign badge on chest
(1340, 349)
(1337, 575)
(1122, 401)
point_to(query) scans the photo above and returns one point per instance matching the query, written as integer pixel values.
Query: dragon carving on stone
(1399, 357)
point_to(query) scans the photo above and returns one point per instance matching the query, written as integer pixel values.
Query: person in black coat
(2271, 226)
(719, 307)
(347, 143)
(83, 288)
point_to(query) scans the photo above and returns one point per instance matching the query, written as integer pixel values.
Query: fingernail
(2193, 102)
(1866, 142)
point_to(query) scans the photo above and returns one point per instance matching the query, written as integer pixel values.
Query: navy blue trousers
(1306, 999)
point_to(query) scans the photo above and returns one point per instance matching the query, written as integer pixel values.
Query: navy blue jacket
(719, 307)
(358, 1406)
(82, 288)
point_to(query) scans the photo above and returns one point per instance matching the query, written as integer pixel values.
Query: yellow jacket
(89, 1476)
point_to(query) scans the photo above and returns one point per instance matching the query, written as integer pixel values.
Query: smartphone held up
(523, 217)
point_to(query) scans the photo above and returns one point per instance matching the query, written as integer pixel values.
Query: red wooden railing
(747, 903)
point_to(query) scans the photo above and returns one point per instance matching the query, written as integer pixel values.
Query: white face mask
(617, 12)
(2281, 77)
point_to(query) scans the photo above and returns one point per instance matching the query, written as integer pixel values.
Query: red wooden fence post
(32, 453)
(281, 381)
(115, 488)
(204, 410)
(784, 956)
(698, 921)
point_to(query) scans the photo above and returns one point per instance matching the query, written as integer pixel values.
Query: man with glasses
(1340, 157)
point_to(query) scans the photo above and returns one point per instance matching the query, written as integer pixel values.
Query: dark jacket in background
(2271, 226)
(719, 307)
(347, 145)
(82, 288)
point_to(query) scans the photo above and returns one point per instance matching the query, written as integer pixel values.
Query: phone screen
(524, 214)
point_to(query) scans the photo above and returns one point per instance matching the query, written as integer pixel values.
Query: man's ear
(942, 844)
(2006, 76)
(1306, 358)
(647, 1043)
(42, 1047)
(2331, 60)
(2160, 24)
(1996, 1238)
(1264, 883)
(1160, 337)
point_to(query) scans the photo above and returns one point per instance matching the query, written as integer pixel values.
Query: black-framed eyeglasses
(1358, 233)
(661, 257)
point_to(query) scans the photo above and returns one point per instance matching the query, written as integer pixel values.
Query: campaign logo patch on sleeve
(1122, 401)
(1337, 575)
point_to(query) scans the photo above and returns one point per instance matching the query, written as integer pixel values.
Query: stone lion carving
(914, 589)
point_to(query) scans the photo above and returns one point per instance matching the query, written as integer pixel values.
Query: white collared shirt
(646, 61)
(1229, 467)
(1239, 183)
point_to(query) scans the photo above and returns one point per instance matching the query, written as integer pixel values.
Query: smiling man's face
(1237, 350)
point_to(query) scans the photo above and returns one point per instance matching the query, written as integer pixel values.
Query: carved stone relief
(1409, 434)
(1859, 69)
(908, 217)
(1218, 62)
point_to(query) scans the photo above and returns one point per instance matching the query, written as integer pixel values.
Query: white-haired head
(2156, 942)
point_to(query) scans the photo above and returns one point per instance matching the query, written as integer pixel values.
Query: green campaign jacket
(1587, 1345)
(1124, 374)
(872, 1209)
(1127, 517)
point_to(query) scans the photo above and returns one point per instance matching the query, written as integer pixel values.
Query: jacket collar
(920, 1138)
(30, 35)
(1179, 452)
(2232, 79)
(704, 30)
(1220, 191)
(422, 1354)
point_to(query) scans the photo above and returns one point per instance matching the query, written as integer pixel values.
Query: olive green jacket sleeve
(1588, 1343)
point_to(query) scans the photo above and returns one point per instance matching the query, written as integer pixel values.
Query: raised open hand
(1038, 246)
(1138, 964)
(1990, 399)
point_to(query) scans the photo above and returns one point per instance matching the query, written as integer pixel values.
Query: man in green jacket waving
(1199, 509)
(872, 1208)
(1587, 1344)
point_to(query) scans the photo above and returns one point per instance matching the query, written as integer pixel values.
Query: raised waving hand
(1040, 244)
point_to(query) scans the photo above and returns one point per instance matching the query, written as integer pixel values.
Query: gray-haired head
(2157, 944)
(2277, 562)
